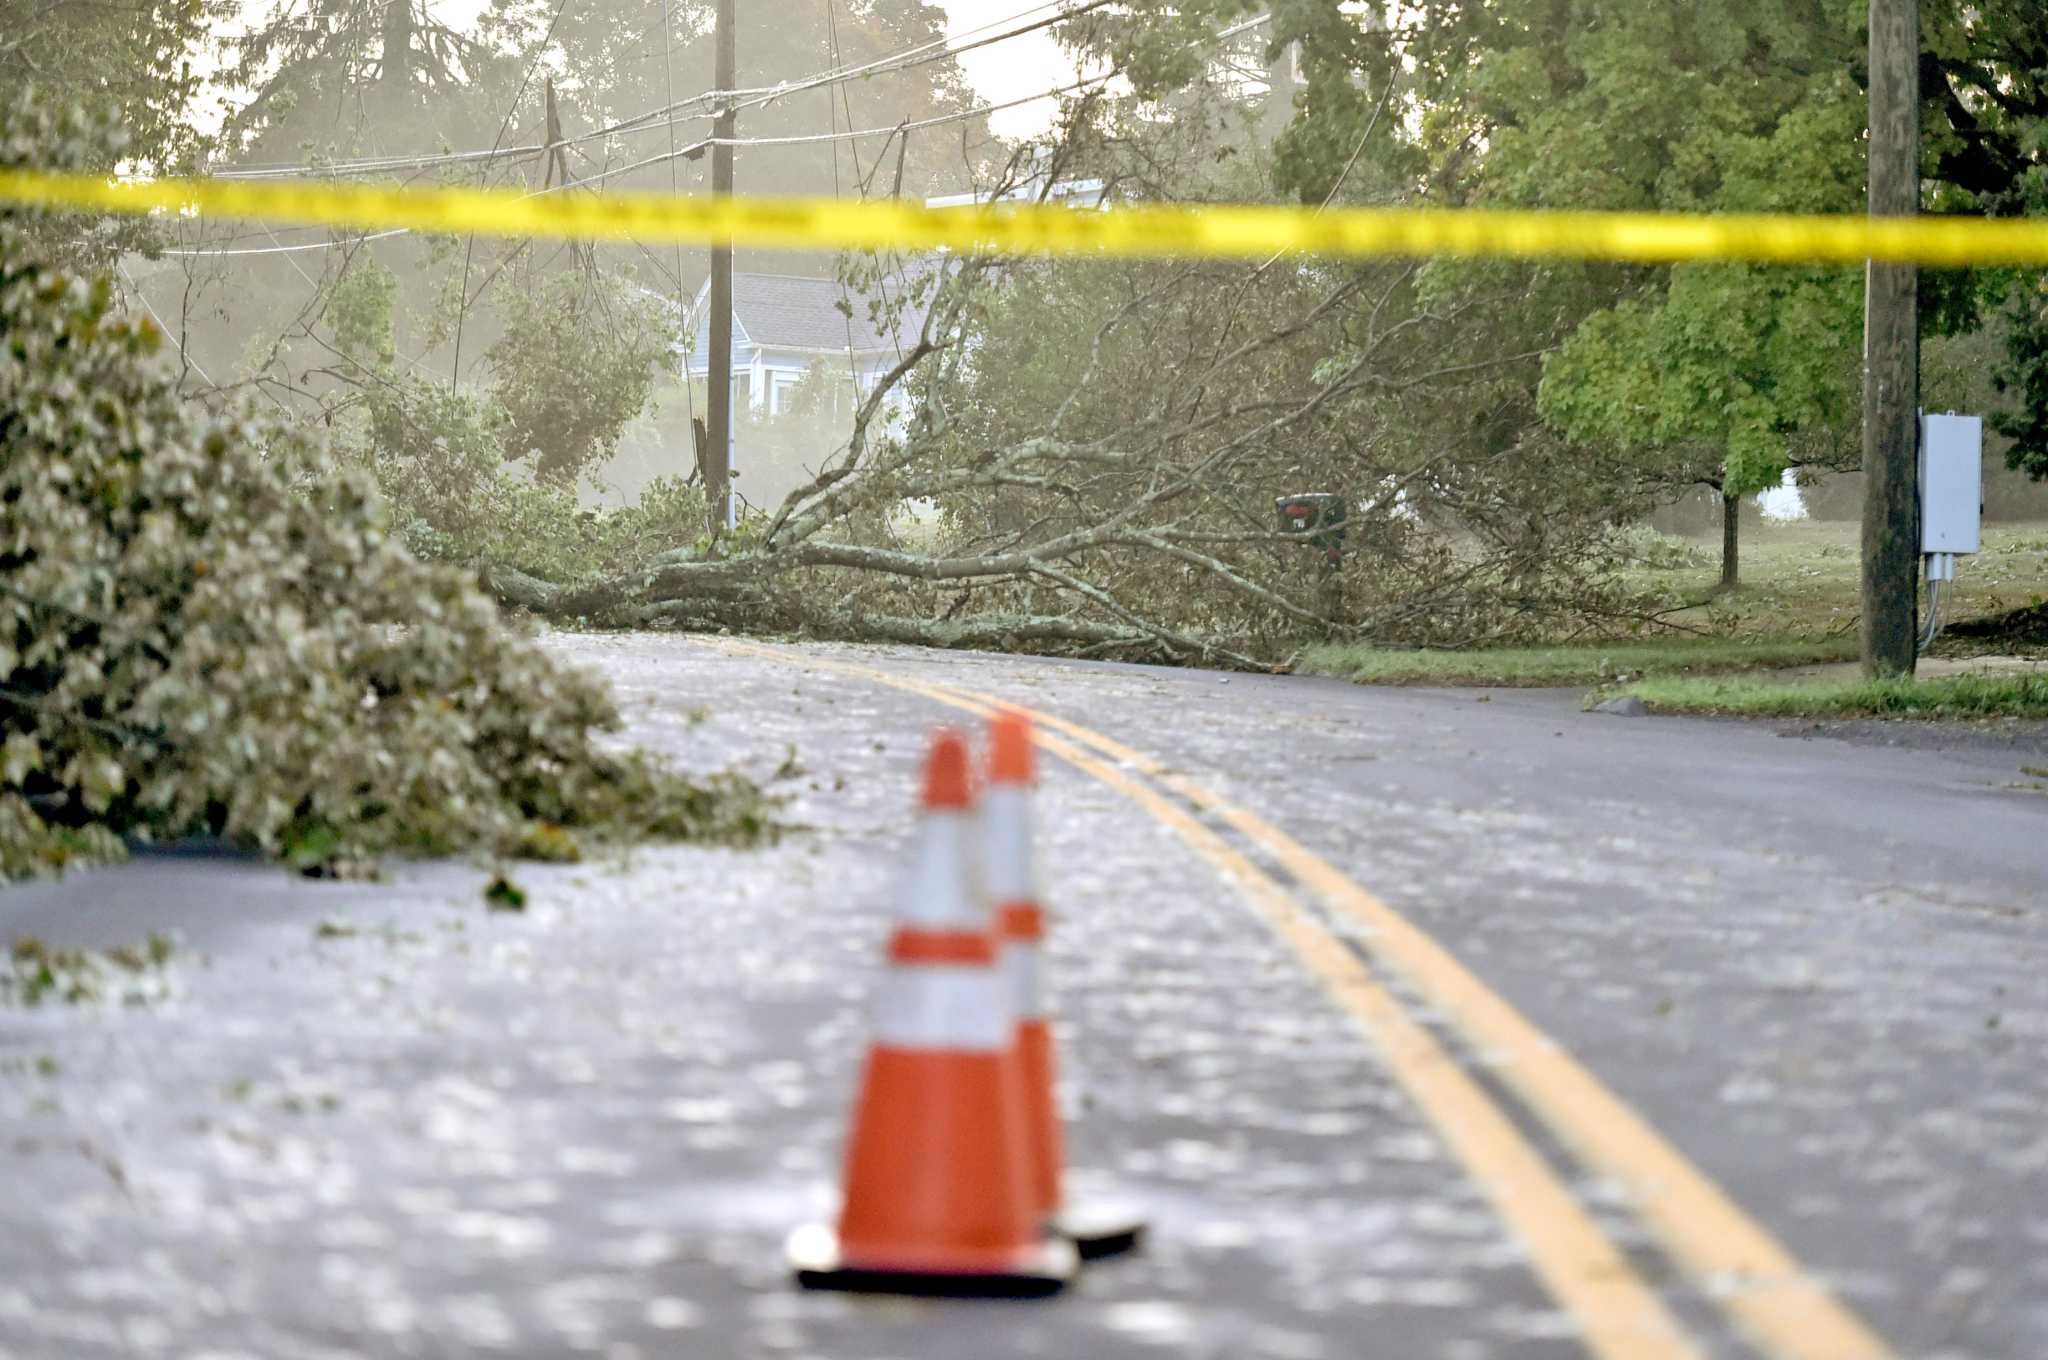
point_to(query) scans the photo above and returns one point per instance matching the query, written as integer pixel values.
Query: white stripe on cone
(938, 890)
(957, 1007)
(1006, 837)
(1025, 974)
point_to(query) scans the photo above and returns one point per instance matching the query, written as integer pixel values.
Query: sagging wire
(1933, 628)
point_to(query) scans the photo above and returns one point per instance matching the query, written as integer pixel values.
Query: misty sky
(1001, 72)
(1008, 70)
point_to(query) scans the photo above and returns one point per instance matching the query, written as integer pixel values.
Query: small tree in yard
(1730, 378)
(1727, 375)
(207, 628)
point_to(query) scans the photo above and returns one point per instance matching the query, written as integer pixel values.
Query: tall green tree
(355, 77)
(1984, 123)
(1730, 374)
(1719, 374)
(1722, 374)
(131, 59)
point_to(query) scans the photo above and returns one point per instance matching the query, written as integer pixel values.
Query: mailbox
(1316, 517)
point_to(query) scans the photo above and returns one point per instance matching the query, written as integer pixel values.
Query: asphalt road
(378, 1120)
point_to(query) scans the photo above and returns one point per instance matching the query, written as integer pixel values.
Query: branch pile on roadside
(206, 628)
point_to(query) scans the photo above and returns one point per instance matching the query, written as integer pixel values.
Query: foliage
(1082, 483)
(360, 306)
(2023, 376)
(442, 456)
(1090, 450)
(358, 74)
(1673, 106)
(439, 461)
(32, 972)
(2025, 627)
(205, 628)
(1747, 105)
(1742, 366)
(1641, 546)
(438, 456)
(130, 62)
(32, 133)
(1984, 120)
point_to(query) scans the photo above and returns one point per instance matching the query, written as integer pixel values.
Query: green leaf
(502, 894)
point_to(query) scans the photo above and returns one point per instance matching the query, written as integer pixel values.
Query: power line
(696, 147)
(887, 65)
(909, 58)
(705, 104)
(832, 115)
(290, 250)
(168, 334)
(959, 116)
(812, 138)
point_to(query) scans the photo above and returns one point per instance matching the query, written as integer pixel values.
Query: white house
(783, 325)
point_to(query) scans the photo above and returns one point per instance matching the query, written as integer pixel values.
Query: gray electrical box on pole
(1951, 483)
(1951, 503)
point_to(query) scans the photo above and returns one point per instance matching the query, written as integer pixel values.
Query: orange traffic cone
(937, 1177)
(1095, 1230)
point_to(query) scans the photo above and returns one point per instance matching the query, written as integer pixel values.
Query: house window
(781, 392)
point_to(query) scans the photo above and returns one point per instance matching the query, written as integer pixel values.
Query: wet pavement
(379, 1119)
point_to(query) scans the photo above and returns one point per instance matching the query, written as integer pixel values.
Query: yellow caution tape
(1154, 230)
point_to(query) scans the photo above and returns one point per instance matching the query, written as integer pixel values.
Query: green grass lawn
(1796, 606)
(1573, 665)
(1952, 696)
(1803, 580)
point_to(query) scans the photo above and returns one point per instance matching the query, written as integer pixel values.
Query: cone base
(1099, 1229)
(1033, 1273)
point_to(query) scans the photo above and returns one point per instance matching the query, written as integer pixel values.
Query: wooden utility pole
(718, 460)
(1891, 352)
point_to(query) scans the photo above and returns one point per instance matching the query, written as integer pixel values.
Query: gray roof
(783, 311)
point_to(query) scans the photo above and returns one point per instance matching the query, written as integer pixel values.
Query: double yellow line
(1744, 1269)
(1153, 230)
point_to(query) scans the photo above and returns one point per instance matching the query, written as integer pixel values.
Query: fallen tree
(1057, 485)
(1084, 455)
(1079, 456)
